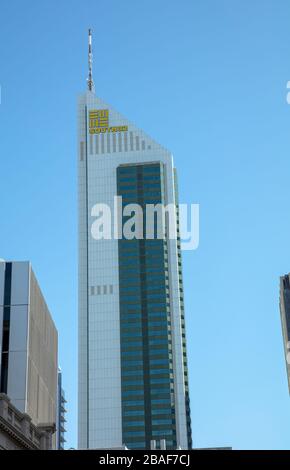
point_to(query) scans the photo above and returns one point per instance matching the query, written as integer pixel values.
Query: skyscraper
(133, 379)
(285, 318)
(28, 343)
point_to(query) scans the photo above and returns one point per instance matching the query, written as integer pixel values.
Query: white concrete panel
(17, 364)
(20, 283)
(18, 328)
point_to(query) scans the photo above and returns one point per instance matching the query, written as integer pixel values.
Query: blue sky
(207, 79)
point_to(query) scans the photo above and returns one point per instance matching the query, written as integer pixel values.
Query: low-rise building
(17, 432)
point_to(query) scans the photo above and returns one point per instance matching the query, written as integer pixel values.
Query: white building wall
(82, 284)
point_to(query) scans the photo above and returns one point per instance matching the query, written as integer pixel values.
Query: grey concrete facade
(28, 344)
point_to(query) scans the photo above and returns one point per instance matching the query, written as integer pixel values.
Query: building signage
(99, 122)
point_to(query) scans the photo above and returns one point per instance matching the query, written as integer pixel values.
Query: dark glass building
(285, 318)
(147, 370)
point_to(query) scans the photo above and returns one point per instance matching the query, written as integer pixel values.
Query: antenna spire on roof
(90, 80)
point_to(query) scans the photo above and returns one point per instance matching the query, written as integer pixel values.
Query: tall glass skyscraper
(133, 379)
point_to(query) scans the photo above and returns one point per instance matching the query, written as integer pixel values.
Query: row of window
(146, 194)
(133, 169)
(132, 329)
(154, 412)
(131, 332)
(155, 433)
(142, 252)
(126, 381)
(137, 372)
(153, 391)
(153, 352)
(154, 330)
(152, 305)
(152, 372)
(146, 254)
(141, 423)
(135, 298)
(156, 345)
(155, 337)
(152, 311)
(128, 179)
(138, 263)
(131, 245)
(143, 269)
(136, 185)
(152, 362)
(155, 401)
(142, 279)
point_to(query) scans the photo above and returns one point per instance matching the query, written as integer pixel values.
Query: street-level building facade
(17, 432)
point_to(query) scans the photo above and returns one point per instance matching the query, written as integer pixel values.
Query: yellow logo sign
(99, 122)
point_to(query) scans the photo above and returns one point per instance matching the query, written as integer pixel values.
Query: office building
(133, 378)
(28, 344)
(61, 412)
(285, 319)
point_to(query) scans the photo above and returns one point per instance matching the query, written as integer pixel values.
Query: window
(128, 403)
(133, 413)
(161, 422)
(133, 433)
(161, 411)
(127, 393)
(166, 432)
(160, 381)
(134, 423)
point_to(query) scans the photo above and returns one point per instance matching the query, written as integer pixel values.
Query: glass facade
(286, 298)
(285, 319)
(148, 402)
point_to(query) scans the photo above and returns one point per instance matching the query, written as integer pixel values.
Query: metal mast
(90, 80)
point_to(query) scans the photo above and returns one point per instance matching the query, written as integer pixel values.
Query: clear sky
(206, 78)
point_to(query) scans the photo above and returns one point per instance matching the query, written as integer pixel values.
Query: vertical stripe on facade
(6, 328)
(87, 275)
(148, 401)
(181, 298)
